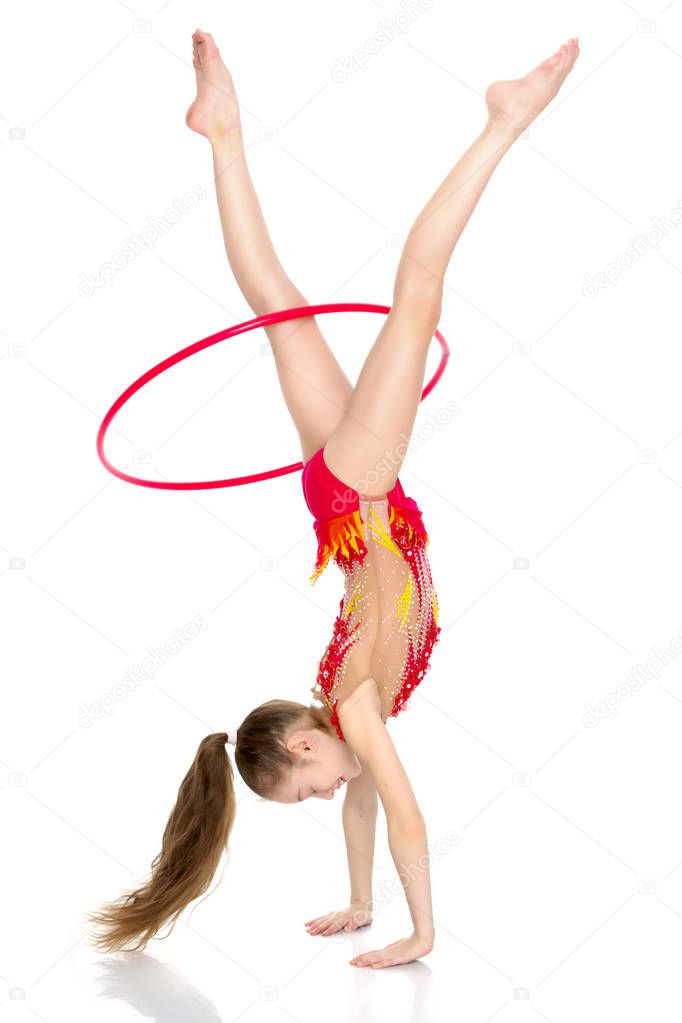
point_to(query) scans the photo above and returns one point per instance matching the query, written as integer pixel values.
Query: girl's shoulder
(366, 691)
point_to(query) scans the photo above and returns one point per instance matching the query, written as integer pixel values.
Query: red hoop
(299, 312)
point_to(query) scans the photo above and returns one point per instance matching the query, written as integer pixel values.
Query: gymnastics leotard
(387, 622)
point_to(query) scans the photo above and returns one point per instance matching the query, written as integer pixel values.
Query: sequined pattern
(387, 622)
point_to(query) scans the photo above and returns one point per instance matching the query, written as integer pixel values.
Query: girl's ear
(303, 740)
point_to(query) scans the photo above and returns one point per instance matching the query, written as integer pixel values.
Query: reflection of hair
(199, 826)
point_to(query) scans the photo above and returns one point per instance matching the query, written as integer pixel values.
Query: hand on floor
(406, 950)
(348, 919)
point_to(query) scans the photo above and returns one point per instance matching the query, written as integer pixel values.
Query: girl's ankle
(229, 134)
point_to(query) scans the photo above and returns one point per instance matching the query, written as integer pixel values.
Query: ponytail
(195, 837)
(199, 826)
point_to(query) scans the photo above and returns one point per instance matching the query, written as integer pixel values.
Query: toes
(566, 57)
(207, 40)
(205, 44)
(572, 50)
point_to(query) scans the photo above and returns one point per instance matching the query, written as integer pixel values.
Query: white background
(561, 894)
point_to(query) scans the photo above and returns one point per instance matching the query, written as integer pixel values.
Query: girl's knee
(419, 304)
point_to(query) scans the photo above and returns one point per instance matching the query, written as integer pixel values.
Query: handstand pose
(388, 615)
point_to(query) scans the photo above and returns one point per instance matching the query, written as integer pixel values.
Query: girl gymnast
(387, 623)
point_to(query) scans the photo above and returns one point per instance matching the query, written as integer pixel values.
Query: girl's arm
(359, 825)
(368, 737)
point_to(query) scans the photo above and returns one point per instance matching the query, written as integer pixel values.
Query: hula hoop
(299, 312)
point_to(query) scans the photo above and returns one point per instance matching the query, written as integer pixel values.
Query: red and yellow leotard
(387, 623)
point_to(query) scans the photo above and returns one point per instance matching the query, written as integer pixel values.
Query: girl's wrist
(363, 903)
(425, 936)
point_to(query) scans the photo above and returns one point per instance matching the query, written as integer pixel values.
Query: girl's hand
(348, 919)
(406, 950)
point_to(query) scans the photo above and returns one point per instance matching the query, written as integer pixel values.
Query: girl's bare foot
(513, 105)
(216, 109)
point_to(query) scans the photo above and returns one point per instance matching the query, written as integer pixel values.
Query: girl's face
(325, 764)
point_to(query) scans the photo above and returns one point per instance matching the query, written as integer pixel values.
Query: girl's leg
(314, 386)
(370, 442)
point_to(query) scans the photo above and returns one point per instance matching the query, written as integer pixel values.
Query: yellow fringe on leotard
(354, 599)
(382, 535)
(402, 604)
(338, 535)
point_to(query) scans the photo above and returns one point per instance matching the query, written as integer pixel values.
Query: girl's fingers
(377, 958)
(330, 923)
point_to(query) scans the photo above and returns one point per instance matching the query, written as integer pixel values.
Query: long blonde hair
(199, 826)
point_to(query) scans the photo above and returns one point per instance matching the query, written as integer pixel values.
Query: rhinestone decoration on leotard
(387, 622)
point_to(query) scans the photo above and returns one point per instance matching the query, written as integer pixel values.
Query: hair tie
(231, 736)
